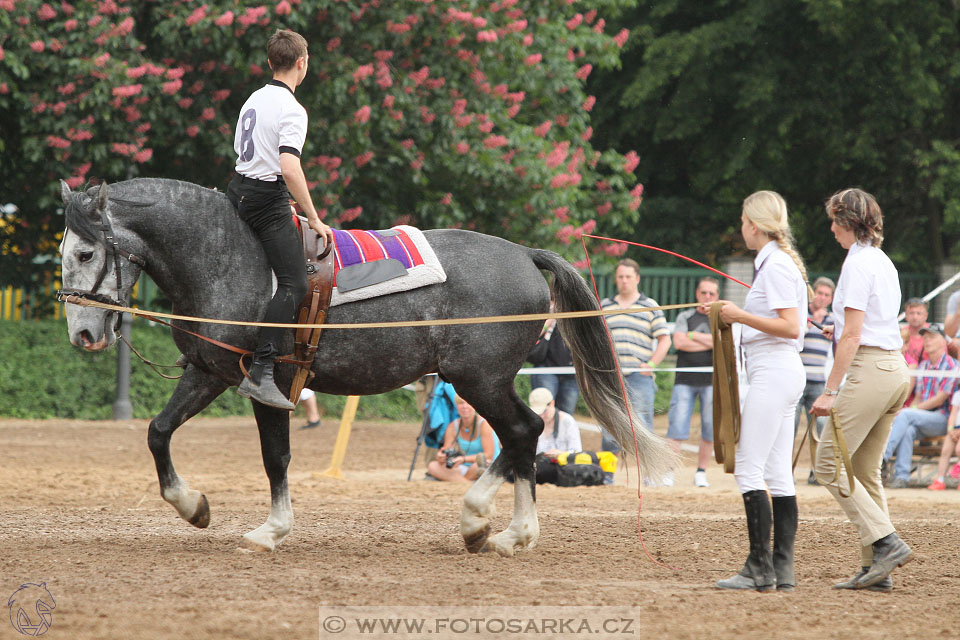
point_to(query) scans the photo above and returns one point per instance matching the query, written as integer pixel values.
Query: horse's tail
(593, 360)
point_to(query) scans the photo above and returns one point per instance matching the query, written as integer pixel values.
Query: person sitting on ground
(928, 416)
(560, 431)
(951, 447)
(475, 444)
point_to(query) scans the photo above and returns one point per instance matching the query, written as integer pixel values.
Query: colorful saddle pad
(376, 263)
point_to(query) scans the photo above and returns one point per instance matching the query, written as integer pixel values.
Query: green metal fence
(669, 285)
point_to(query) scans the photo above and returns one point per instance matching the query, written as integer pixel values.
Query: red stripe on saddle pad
(410, 247)
(370, 247)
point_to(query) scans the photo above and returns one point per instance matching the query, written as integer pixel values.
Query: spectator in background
(951, 326)
(475, 444)
(642, 340)
(928, 416)
(308, 398)
(552, 351)
(560, 431)
(816, 352)
(694, 344)
(915, 313)
(951, 446)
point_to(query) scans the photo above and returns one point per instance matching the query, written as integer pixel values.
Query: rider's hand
(325, 231)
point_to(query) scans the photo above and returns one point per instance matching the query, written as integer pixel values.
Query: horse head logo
(31, 609)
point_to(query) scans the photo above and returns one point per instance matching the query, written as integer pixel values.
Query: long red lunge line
(623, 389)
(672, 253)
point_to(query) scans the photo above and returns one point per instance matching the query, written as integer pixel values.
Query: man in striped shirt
(928, 415)
(642, 340)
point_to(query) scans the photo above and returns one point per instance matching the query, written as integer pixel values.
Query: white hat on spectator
(539, 399)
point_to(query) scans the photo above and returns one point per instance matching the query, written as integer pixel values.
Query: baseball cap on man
(933, 328)
(539, 399)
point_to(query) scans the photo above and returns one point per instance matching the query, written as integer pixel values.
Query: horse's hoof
(201, 517)
(246, 544)
(475, 541)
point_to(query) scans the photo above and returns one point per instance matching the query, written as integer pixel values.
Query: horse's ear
(65, 192)
(102, 197)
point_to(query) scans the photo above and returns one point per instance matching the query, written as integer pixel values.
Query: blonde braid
(785, 241)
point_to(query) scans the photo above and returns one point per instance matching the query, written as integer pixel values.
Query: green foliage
(470, 114)
(801, 96)
(43, 376)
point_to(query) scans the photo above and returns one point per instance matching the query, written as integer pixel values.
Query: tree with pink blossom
(469, 114)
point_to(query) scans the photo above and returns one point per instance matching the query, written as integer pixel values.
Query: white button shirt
(777, 285)
(869, 283)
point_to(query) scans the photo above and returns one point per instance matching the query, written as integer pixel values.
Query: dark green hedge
(43, 376)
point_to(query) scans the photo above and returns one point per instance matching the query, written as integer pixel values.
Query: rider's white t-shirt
(271, 122)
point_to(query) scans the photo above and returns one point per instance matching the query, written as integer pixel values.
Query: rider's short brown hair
(285, 48)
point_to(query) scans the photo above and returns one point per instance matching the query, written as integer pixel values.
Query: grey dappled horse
(209, 264)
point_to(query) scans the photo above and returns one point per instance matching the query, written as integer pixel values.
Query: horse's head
(95, 266)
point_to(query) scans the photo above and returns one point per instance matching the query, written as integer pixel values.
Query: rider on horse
(269, 139)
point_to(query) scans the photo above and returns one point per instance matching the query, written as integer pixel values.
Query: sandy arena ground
(82, 512)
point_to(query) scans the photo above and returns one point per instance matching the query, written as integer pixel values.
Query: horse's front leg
(524, 529)
(194, 392)
(274, 426)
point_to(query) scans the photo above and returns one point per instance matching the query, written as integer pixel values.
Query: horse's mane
(79, 210)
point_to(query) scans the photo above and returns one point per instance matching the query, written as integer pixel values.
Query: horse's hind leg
(518, 429)
(194, 392)
(274, 426)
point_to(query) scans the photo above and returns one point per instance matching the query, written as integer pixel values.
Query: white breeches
(764, 453)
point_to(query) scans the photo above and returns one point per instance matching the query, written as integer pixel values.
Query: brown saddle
(313, 308)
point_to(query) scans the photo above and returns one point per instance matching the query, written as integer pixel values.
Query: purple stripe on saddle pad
(358, 246)
(394, 249)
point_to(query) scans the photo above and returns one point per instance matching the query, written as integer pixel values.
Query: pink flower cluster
(46, 12)
(584, 71)
(542, 129)
(565, 180)
(363, 158)
(630, 161)
(532, 59)
(492, 142)
(362, 114)
(251, 15)
(198, 14)
(57, 142)
(283, 8)
(127, 91)
(350, 214)
(224, 20)
(556, 157)
(487, 36)
(589, 102)
(621, 38)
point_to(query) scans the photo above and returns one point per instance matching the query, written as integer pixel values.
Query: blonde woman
(774, 321)
(868, 353)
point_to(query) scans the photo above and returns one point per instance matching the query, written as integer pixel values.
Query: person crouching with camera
(469, 446)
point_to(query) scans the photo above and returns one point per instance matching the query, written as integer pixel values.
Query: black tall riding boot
(260, 385)
(784, 533)
(757, 572)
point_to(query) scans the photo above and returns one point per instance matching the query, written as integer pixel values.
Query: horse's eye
(86, 256)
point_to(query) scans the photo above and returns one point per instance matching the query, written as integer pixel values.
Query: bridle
(116, 252)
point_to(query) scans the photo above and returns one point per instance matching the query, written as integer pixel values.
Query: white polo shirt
(778, 285)
(271, 122)
(869, 282)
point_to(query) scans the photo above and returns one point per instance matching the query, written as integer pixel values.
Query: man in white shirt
(269, 139)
